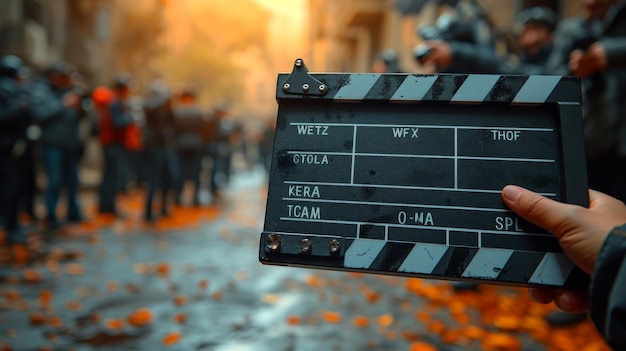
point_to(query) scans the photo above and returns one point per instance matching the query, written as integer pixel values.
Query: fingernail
(512, 192)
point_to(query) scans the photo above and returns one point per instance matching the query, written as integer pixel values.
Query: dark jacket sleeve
(615, 51)
(11, 106)
(45, 106)
(608, 290)
(469, 58)
(119, 115)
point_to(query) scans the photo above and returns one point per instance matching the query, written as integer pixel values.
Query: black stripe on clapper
(521, 266)
(577, 278)
(391, 256)
(506, 88)
(454, 261)
(444, 88)
(385, 87)
(566, 91)
(334, 82)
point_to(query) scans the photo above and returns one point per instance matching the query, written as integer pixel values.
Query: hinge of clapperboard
(299, 82)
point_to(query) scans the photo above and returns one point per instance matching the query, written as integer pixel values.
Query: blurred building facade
(44, 32)
(346, 35)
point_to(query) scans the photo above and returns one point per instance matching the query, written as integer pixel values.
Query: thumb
(537, 209)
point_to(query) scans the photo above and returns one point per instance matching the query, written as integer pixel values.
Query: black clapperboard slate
(402, 174)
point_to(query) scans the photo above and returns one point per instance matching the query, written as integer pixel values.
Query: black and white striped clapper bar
(402, 174)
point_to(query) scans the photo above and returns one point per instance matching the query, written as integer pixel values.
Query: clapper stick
(401, 174)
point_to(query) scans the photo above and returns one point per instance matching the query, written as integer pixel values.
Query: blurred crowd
(162, 141)
(591, 45)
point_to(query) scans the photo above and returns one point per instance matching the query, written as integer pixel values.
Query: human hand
(439, 55)
(586, 63)
(581, 233)
(71, 100)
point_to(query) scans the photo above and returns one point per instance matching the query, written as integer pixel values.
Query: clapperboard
(402, 174)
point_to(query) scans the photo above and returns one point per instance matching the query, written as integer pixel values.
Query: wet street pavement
(193, 282)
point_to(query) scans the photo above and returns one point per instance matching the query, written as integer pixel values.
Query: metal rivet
(334, 246)
(272, 242)
(305, 245)
(305, 87)
(286, 87)
(322, 88)
(299, 62)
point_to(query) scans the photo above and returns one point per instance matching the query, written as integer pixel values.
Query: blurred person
(14, 120)
(188, 124)
(266, 144)
(220, 131)
(593, 47)
(113, 122)
(594, 239)
(386, 62)
(534, 40)
(464, 23)
(159, 144)
(58, 110)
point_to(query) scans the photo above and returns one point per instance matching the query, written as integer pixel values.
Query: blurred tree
(137, 28)
(202, 37)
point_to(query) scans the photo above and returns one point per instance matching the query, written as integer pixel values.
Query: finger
(537, 209)
(541, 295)
(571, 301)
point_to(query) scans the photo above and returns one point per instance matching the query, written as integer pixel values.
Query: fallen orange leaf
(162, 270)
(180, 300)
(411, 336)
(314, 281)
(436, 327)
(331, 317)
(450, 336)
(293, 320)
(31, 275)
(55, 321)
(385, 320)
(217, 296)
(372, 297)
(507, 322)
(12, 295)
(501, 342)
(142, 268)
(422, 316)
(114, 323)
(73, 305)
(413, 285)
(361, 321)
(74, 269)
(37, 319)
(473, 332)
(112, 286)
(45, 298)
(422, 346)
(171, 338)
(140, 317)
(180, 318)
(203, 284)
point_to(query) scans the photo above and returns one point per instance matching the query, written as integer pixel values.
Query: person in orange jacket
(113, 122)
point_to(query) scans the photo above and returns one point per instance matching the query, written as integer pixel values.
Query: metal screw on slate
(299, 63)
(305, 245)
(322, 88)
(272, 242)
(334, 246)
(305, 87)
(286, 87)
